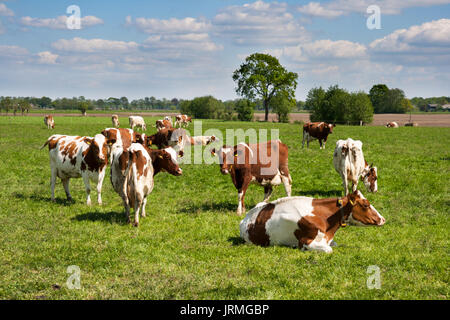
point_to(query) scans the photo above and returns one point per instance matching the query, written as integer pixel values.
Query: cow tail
(46, 143)
(131, 176)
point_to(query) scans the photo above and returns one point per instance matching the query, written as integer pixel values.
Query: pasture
(188, 246)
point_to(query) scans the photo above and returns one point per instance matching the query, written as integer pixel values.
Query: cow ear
(105, 133)
(88, 141)
(180, 153)
(213, 151)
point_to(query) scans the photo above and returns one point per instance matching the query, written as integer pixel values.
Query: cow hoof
(88, 203)
(136, 224)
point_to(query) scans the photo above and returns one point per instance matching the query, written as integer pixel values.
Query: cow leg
(354, 185)
(319, 243)
(320, 142)
(267, 192)
(101, 176)
(137, 208)
(88, 189)
(287, 183)
(144, 203)
(241, 195)
(65, 183)
(52, 183)
(345, 185)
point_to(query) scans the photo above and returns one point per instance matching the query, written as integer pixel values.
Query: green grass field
(188, 247)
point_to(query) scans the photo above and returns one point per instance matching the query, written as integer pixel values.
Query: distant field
(188, 247)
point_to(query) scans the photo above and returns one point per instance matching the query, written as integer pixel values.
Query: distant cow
(411, 124)
(349, 162)
(137, 121)
(140, 172)
(202, 140)
(161, 124)
(75, 157)
(306, 223)
(392, 125)
(162, 160)
(176, 138)
(316, 130)
(49, 122)
(264, 163)
(182, 119)
(115, 120)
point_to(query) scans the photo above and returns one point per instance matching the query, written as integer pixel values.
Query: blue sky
(184, 49)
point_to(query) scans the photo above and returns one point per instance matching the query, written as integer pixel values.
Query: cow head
(211, 139)
(167, 160)
(98, 149)
(226, 158)
(362, 212)
(370, 177)
(139, 137)
(328, 127)
(110, 135)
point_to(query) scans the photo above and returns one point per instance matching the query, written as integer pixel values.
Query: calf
(49, 122)
(143, 165)
(137, 121)
(264, 163)
(176, 138)
(348, 160)
(306, 223)
(115, 120)
(392, 125)
(162, 124)
(182, 119)
(201, 140)
(75, 157)
(316, 130)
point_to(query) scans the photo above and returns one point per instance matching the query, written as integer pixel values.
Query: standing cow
(316, 130)
(264, 163)
(137, 121)
(115, 120)
(163, 124)
(75, 157)
(49, 121)
(182, 120)
(349, 162)
(306, 223)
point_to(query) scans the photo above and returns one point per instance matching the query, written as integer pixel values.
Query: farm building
(432, 107)
(446, 107)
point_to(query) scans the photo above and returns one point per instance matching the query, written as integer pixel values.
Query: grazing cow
(143, 164)
(182, 119)
(392, 125)
(348, 160)
(201, 140)
(123, 136)
(75, 157)
(162, 160)
(115, 120)
(316, 130)
(137, 121)
(306, 223)
(176, 138)
(163, 124)
(264, 163)
(49, 122)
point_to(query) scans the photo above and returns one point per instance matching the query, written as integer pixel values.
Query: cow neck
(91, 160)
(154, 157)
(340, 211)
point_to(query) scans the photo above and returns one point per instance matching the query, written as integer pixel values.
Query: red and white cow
(202, 140)
(348, 160)
(175, 138)
(163, 124)
(143, 164)
(182, 119)
(75, 157)
(264, 163)
(316, 130)
(123, 136)
(392, 125)
(306, 223)
(115, 120)
(137, 121)
(49, 121)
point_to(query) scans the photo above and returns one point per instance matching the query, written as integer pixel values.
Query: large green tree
(262, 75)
(282, 106)
(377, 96)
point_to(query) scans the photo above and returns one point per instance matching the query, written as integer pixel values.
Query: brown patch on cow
(91, 157)
(126, 138)
(306, 232)
(140, 161)
(257, 231)
(53, 142)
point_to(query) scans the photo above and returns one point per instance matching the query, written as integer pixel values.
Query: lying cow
(306, 223)
(49, 122)
(163, 124)
(75, 157)
(202, 140)
(182, 120)
(115, 120)
(316, 130)
(265, 164)
(392, 125)
(348, 160)
(143, 164)
(137, 121)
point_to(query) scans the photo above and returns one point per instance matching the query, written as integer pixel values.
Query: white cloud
(58, 22)
(173, 25)
(429, 37)
(337, 8)
(93, 45)
(12, 51)
(259, 23)
(46, 57)
(179, 42)
(5, 11)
